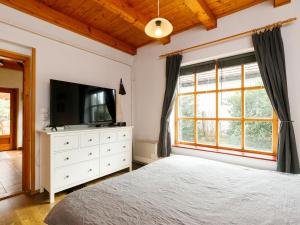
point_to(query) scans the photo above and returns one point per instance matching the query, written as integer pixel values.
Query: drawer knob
(108, 137)
(67, 177)
(108, 164)
(66, 143)
(109, 150)
(124, 160)
(124, 146)
(67, 158)
(90, 139)
(90, 153)
(90, 170)
(124, 135)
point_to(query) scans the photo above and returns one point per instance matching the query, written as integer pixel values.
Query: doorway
(17, 123)
(11, 128)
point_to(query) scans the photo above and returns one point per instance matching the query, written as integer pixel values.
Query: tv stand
(75, 156)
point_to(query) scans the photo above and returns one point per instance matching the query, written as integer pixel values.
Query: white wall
(149, 70)
(14, 79)
(64, 55)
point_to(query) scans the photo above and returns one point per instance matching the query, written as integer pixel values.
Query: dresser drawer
(90, 169)
(108, 149)
(89, 139)
(65, 142)
(125, 159)
(72, 175)
(124, 146)
(113, 148)
(108, 137)
(75, 156)
(124, 135)
(114, 163)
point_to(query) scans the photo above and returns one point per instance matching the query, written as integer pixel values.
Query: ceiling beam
(40, 10)
(125, 11)
(203, 12)
(281, 2)
(129, 14)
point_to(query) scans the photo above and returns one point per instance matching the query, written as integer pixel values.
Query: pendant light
(158, 27)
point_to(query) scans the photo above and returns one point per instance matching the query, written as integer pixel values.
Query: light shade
(158, 28)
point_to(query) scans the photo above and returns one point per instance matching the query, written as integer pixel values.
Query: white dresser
(73, 157)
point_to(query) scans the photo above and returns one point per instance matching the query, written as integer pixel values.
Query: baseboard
(138, 162)
(141, 159)
(35, 192)
(9, 195)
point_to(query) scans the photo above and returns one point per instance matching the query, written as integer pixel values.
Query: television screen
(76, 104)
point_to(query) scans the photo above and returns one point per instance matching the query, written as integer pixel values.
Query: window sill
(228, 152)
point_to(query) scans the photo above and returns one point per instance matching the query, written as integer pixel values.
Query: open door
(8, 118)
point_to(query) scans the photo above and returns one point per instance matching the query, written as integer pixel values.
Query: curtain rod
(249, 32)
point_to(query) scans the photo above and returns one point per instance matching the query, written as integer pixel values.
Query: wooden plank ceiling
(120, 23)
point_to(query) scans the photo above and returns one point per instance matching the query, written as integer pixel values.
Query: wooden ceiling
(120, 23)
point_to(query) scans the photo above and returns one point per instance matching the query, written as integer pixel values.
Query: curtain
(172, 73)
(269, 51)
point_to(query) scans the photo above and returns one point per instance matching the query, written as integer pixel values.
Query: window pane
(258, 136)
(230, 134)
(186, 106)
(252, 75)
(206, 105)
(257, 104)
(4, 113)
(230, 104)
(206, 81)
(230, 77)
(206, 130)
(186, 83)
(186, 130)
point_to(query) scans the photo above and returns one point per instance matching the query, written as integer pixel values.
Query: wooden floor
(10, 173)
(31, 210)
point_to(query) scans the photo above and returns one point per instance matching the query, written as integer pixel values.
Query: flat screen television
(78, 104)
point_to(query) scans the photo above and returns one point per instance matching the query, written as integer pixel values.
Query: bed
(185, 190)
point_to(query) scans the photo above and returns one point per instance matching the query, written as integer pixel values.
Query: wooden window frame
(274, 118)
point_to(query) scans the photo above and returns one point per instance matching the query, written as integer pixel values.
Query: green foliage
(257, 105)
(258, 134)
(186, 105)
(187, 130)
(186, 109)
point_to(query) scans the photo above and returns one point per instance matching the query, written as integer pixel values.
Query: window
(5, 108)
(223, 104)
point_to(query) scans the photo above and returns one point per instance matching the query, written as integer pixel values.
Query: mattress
(185, 190)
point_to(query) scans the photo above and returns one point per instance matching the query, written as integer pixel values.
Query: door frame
(29, 98)
(14, 106)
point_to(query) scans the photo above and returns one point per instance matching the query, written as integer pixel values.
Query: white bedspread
(185, 190)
